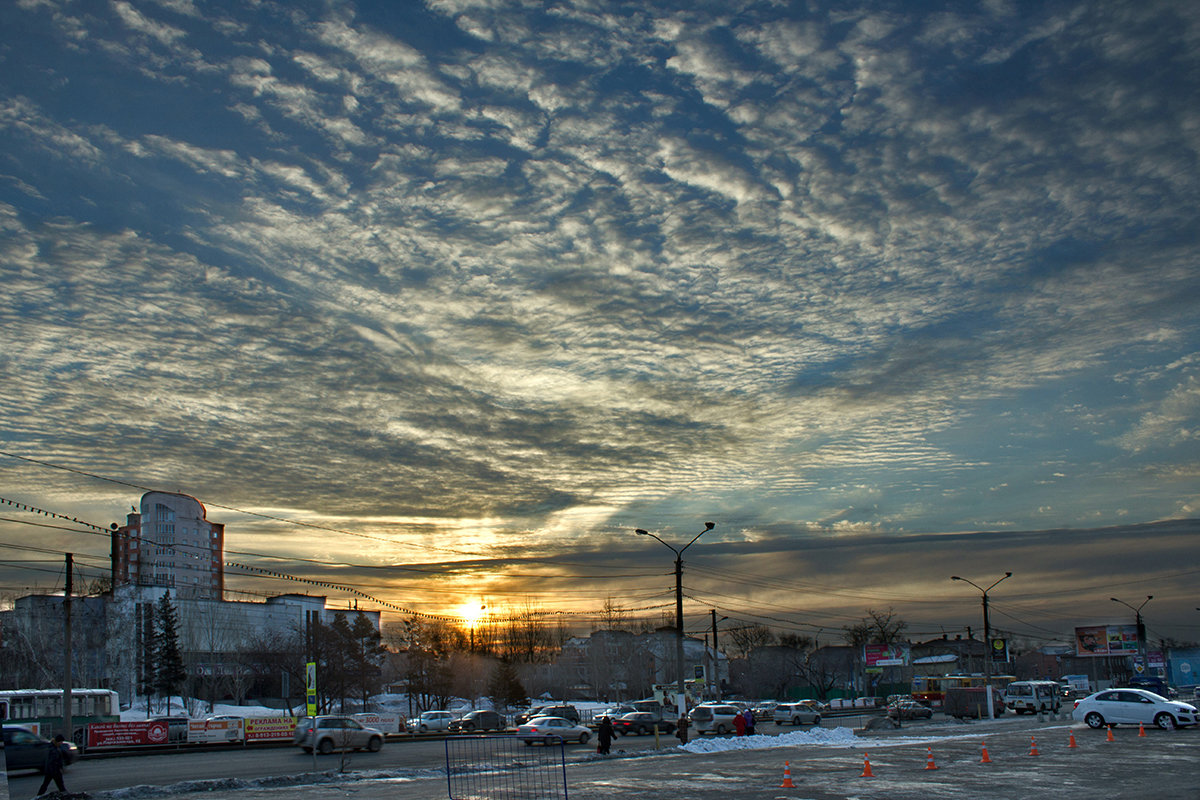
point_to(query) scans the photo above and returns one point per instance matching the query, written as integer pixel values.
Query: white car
(550, 730)
(1133, 706)
(434, 721)
(713, 718)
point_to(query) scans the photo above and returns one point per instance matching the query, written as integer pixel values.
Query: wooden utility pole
(68, 727)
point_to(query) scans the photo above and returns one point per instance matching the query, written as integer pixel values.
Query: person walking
(606, 736)
(54, 765)
(749, 722)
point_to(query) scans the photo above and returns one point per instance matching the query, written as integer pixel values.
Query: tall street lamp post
(1141, 627)
(987, 639)
(680, 694)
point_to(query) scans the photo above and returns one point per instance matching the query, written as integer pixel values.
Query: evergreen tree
(145, 656)
(169, 672)
(504, 687)
(365, 657)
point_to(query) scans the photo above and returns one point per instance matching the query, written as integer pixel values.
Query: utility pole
(716, 676)
(68, 727)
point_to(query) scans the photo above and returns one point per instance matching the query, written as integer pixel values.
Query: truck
(971, 701)
(1075, 685)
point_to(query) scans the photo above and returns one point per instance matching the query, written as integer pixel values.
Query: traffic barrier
(1071, 740)
(866, 773)
(1033, 746)
(985, 759)
(787, 776)
(929, 760)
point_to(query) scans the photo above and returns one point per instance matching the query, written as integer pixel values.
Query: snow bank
(827, 737)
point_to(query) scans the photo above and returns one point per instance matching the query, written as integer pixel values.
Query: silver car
(551, 730)
(328, 733)
(796, 714)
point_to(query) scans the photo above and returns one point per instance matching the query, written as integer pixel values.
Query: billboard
(877, 656)
(126, 734)
(1106, 640)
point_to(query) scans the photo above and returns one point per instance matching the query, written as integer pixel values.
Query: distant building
(170, 543)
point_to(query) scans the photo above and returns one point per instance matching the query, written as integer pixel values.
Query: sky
(443, 300)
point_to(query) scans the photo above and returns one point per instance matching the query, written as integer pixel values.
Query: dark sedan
(24, 749)
(640, 722)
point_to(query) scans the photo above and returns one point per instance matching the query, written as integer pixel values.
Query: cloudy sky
(475, 288)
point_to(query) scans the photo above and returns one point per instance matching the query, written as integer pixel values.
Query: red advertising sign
(126, 734)
(262, 728)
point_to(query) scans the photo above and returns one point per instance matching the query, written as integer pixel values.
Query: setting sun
(471, 613)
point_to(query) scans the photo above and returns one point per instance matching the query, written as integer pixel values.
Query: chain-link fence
(505, 768)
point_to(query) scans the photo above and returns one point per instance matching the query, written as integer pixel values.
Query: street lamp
(987, 638)
(1141, 627)
(680, 696)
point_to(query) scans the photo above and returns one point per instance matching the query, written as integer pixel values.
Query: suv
(328, 733)
(713, 717)
(566, 712)
(478, 721)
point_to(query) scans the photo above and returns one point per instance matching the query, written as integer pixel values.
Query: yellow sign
(310, 682)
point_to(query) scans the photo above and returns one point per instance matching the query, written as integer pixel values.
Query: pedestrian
(749, 722)
(606, 736)
(739, 725)
(54, 765)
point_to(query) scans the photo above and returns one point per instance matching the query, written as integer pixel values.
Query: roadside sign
(310, 682)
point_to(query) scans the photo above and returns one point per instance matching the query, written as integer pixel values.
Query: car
(799, 713)
(434, 721)
(550, 730)
(640, 722)
(713, 717)
(764, 711)
(481, 720)
(549, 710)
(24, 749)
(908, 709)
(615, 712)
(328, 732)
(1113, 707)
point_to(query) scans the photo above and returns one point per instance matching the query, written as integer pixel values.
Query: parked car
(909, 709)
(1133, 706)
(434, 721)
(800, 713)
(24, 749)
(764, 711)
(326, 733)
(549, 730)
(713, 717)
(614, 713)
(640, 722)
(481, 720)
(548, 710)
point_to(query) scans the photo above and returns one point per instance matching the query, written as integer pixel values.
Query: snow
(828, 737)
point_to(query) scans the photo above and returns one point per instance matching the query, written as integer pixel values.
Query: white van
(1033, 697)
(713, 718)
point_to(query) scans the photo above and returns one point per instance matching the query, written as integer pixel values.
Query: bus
(931, 689)
(41, 709)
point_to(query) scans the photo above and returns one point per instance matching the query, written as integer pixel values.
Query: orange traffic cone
(1071, 740)
(985, 759)
(867, 768)
(1141, 730)
(1110, 737)
(929, 760)
(1033, 746)
(787, 776)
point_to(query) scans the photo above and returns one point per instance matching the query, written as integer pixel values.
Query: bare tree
(748, 638)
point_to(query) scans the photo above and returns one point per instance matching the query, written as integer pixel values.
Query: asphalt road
(1161, 764)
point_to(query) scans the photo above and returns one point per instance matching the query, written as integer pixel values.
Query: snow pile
(827, 737)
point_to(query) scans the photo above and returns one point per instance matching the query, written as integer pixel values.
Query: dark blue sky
(515, 278)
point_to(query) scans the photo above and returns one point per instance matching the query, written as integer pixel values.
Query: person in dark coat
(54, 765)
(606, 735)
(749, 715)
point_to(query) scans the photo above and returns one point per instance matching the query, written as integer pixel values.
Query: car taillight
(1076, 705)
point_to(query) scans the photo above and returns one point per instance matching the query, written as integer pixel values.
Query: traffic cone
(985, 759)
(867, 768)
(1110, 737)
(1141, 730)
(787, 776)
(1033, 746)
(929, 760)
(1071, 740)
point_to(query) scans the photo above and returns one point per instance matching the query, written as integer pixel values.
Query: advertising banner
(878, 656)
(1106, 640)
(260, 729)
(386, 723)
(202, 731)
(126, 734)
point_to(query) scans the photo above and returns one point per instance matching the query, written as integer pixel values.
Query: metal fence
(505, 768)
